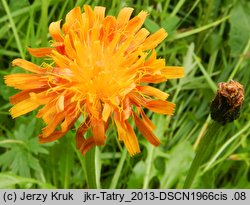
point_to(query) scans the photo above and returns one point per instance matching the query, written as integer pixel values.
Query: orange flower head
(99, 67)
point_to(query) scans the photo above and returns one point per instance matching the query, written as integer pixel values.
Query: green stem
(239, 63)
(177, 7)
(149, 164)
(90, 168)
(118, 171)
(204, 148)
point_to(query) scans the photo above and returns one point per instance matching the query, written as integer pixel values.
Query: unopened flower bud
(227, 103)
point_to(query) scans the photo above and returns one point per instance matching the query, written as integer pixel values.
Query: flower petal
(120, 128)
(137, 100)
(135, 23)
(60, 103)
(126, 134)
(72, 20)
(146, 131)
(69, 47)
(26, 81)
(138, 39)
(153, 40)
(71, 115)
(87, 145)
(99, 13)
(23, 107)
(55, 31)
(124, 16)
(130, 140)
(82, 129)
(98, 130)
(107, 31)
(90, 15)
(40, 52)
(47, 112)
(127, 110)
(54, 122)
(171, 72)
(23, 95)
(61, 60)
(162, 107)
(28, 66)
(66, 125)
(151, 91)
(54, 136)
(146, 120)
(106, 112)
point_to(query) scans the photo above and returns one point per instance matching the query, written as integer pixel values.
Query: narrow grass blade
(197, 30)
(13, 27)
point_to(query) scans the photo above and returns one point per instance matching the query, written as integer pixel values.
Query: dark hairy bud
(226, 105)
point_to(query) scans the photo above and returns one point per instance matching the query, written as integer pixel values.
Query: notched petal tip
(133, 154)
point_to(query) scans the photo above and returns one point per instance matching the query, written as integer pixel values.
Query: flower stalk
(203, 151)
(90, 168)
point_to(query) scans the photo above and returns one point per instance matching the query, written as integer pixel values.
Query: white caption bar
(124, 196)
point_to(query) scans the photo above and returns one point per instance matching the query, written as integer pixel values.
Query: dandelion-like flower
(100, 68)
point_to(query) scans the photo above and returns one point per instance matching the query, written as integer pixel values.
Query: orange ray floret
(99, 68)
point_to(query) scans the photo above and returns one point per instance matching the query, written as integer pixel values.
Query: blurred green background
(210, 38)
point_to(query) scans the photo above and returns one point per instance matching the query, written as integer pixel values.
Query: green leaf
(151, 25)
(8, 180)
(213, 43)
(20, 164)
(180, 158)
(240, 27)
(21, 150)
(170, 24)
(34, 163)
(136, 178)
(35, 147)
(6, 159)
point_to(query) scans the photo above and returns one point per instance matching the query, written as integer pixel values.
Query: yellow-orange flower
(100, 67)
